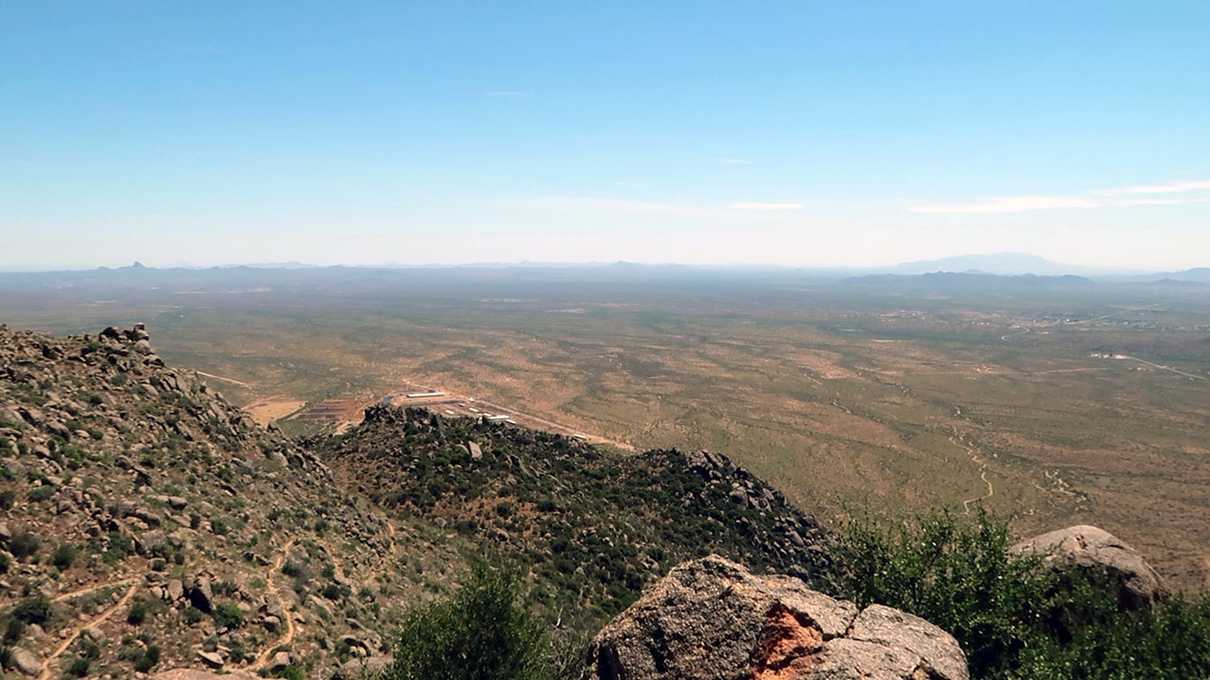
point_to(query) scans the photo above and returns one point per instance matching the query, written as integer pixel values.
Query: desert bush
(1013, 619)
(138, 612)
(955, 574)
(32, 610)
(64, 556)
(40, 493)
(1171, 642)
(149, 658)
(228, 615)
(482, 631)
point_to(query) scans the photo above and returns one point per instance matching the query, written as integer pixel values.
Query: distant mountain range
(988, 264)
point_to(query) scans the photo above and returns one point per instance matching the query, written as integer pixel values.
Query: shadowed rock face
(711, 619)
(1103, 557)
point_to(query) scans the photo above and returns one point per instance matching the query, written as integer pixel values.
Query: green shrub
(40, 493)
(78, 668)
(957, 575)
(6, 499)
(138, 612)
(13, 629)
(117, 547)
(1013, 619)
(481, 632)
(192, 616)
(228, 615)
(33, 610)
(148, 660)
(291, 673)
(64, 556)
(1170, 643)
(336, 592)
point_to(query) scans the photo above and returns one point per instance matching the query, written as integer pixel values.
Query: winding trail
(973, 452)
(75, 632)
(93, 588)
(266, 655)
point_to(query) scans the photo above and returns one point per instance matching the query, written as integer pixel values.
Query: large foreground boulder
(1102, 557)
(711, 619)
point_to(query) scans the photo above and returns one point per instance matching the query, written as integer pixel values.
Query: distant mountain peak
(991, 263)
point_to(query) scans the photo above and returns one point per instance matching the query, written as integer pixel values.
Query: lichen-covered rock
(711, 619)
(1105, 558)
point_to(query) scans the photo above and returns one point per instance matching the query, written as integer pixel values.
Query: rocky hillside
(147, 524)
(591, 526)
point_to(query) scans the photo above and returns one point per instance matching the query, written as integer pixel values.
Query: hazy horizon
(1002, 262)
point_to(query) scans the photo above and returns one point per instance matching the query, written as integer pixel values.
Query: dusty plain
(1054, 403)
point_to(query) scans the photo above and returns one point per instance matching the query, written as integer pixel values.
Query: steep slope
(148, 524)
(591, 526)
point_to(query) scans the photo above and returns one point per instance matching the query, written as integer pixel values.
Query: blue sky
(801, 133)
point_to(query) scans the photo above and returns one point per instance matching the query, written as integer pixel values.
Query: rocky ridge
(147, 523)
(592, 526)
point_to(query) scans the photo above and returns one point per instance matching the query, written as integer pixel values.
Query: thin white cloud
(1130, 202)
(1101, 198)
(1006, 204)
(764, 207)
(1169, 188)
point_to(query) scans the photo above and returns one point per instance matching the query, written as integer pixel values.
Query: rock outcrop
(1102, 557)
(711, 619)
